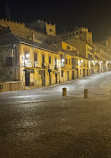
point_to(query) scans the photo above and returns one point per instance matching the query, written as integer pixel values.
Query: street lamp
(62, 60)
(27, 56)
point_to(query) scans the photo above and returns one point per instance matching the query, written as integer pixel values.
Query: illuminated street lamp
(27, 56)
(62, 60)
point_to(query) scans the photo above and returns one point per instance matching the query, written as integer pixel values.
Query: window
(68, 47)
(66, 61)
(55, 60)
(43, 61)
(60, 56)
(89, 56)
(80, 71)
(84, 64)
(87, 64)
(50, 60)
(73, 61)
(69, 61)
(35, 56)
(61, 73)
(9, 61)
(51, 30)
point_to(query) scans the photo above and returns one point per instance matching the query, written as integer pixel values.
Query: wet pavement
(41, 123)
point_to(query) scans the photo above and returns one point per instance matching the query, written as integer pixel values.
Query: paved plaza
(41, 123)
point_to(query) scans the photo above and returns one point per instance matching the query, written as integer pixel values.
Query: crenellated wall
(20, 29)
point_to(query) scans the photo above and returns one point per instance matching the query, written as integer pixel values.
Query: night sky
(96, 15)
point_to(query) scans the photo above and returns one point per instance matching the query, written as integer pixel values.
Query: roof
(10, 38)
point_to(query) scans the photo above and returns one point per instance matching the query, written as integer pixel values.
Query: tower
(50, 29)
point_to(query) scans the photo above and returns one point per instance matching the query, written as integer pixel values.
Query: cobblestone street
(41, 123)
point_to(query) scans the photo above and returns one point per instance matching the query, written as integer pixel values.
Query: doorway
(55, 78)
(87, 73)
(49, 79)
(83, 72)
(77, 73)
(68, 75)
(73, 75)
(42, 73)
(27, 79)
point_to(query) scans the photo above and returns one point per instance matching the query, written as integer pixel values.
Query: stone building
(38, 59)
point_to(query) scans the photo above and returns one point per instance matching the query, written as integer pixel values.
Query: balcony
(50, 66)
(73, 66)
(37, 64)
(62, 64)
(28, 63)
(55, 67)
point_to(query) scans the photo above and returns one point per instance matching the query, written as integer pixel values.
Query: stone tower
(50, 29)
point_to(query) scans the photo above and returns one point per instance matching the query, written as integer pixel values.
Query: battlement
(20, 29)
(9, 23)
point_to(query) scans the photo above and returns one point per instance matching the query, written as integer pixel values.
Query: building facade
(31, 58)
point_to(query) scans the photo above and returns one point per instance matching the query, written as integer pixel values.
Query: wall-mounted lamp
(62, 60)
(27, 56)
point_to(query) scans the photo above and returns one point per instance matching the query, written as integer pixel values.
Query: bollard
(64, 91)
(85, 93)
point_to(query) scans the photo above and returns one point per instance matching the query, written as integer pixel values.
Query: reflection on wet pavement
(40, 123)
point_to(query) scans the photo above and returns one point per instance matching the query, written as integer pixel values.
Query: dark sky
(96, 15)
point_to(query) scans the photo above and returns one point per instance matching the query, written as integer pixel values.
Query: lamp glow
(27, 56)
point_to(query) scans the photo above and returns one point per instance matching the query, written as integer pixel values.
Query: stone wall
(10, 86)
